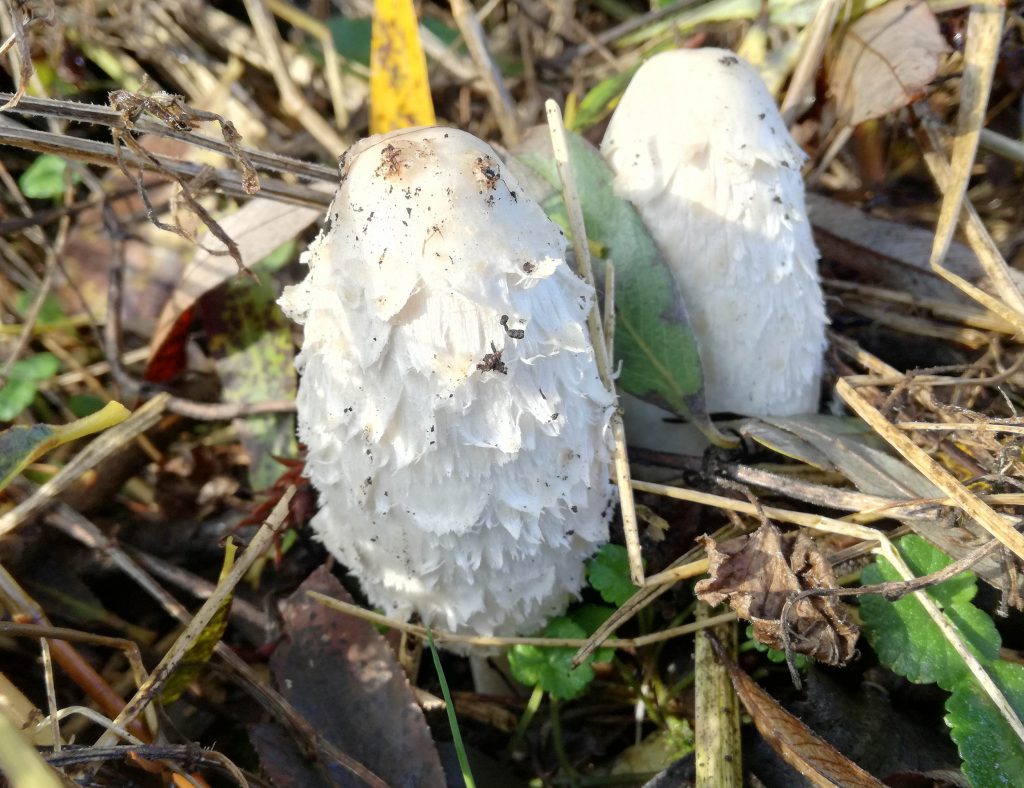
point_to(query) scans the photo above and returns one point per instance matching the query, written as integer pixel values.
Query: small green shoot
(453, 723)
(551, 667)
(20, 445)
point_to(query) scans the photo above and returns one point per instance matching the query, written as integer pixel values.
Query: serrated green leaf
(910, 643)
(551, 668)
(608, 574)
(44, 178)
(904, 635)
(22, 383)
(653, 337)
(992, 754)
(251, 344)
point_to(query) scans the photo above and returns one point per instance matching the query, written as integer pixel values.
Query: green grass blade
(460, 748)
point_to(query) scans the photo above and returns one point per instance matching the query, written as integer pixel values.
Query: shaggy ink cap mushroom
(698, 146)
(457, 429)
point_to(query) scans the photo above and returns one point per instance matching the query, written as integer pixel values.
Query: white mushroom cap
(456, 483)
(698, 145)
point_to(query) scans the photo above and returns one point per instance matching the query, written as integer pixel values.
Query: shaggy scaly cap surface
(698, 145)
(456, 425)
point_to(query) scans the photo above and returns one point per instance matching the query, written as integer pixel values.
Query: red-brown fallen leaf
(338, 672)
(886, 60)
(758, 573)
(817, 760)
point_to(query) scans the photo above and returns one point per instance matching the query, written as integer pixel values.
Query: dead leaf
(338, 672)
(886, 60)
(848, 447)
(798, 745)
(258, 228)
(757, 574)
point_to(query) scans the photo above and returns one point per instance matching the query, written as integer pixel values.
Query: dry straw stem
(292, 101)
(984, 31)
(570, 197)
(440, 636)
(78, 527)
(494, 84)
(919, 326)
(993, 522)
(260, 543)
(717, 757)
(20, 762)
(191, 754)
(332, 69)
(800, 96)
(947, 310)
(642, 597)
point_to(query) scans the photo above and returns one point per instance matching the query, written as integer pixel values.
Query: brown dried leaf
(758, 573)
(338, 672)
(886, 60)
(816, 759)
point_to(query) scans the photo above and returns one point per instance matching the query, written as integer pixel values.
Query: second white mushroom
(698, 145)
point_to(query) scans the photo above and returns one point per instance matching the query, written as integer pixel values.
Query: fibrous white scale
(698, 145)
(456, 426)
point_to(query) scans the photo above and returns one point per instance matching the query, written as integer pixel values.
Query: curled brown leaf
(757, 574)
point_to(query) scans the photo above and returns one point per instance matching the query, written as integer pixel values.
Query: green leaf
(44, 178)
(251, 344)
(21, 445)
(653, 338)
(551, 668)
(50, 313)
(608, 574)
(351, 37)
(22, 383)
(802, 661)
(277, 259)
(992, 754)
(909, 642)
(84, 404)
(601, 100)
(904, 635)
(198, 655)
